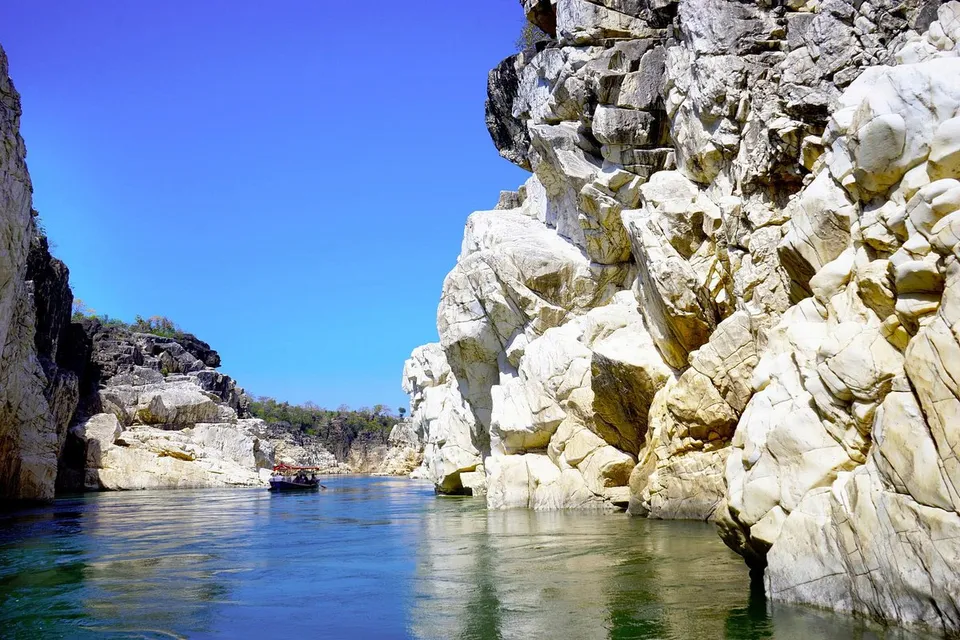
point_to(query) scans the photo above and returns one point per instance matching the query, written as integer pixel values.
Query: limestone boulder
(514, 275)
(142, 457)
(583, 21)
(533, 481)
(452, 439)
(98, 433)
(589, 427)
(880, 131)
(818, 232)
(626, 371)
(173, 403)
(677, 309)
(945, 151)
(680, 474)
(177, 405)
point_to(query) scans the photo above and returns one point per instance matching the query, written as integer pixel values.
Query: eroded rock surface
(404, 453)
(843, 480)
(726, 292)
(153, 415)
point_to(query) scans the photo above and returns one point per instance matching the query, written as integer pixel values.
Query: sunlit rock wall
(37, 394)
(726, 290)
(154, 415)
(844, 477)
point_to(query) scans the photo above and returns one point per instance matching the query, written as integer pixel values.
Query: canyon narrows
(728, 291)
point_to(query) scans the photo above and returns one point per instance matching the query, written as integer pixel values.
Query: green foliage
(154, 325)
(157, 325)
(529, 36)
(39, 227)
(336, 429)
(40, 231)
(81, 310)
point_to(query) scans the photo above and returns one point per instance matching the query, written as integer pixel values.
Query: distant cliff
(726, 291)
(154, 413)
(358, 438)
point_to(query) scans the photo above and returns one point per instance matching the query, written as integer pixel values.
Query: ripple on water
(375, 558)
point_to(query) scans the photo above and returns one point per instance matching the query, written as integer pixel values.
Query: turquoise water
(374, 558)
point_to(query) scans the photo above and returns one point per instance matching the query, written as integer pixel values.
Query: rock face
(299, 449)
(404, 453)
(146, 457)
(38, 389)
(843, 478)
(155, 416)
(726, 292)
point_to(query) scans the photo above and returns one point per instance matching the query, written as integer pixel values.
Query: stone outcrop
(843, 481)
(726, 291)
(155, 416)
(440, 414)
(299, 449)
(203, 455)
(404, 453)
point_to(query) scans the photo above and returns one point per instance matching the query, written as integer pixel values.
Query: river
(375, 558)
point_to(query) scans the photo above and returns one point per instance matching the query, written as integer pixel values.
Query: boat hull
(287, 485)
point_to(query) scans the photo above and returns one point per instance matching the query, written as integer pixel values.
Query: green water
(374, 558)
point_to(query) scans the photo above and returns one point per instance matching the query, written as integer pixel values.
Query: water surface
(375, 558)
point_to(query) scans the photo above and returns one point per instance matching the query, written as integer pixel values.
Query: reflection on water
(374, 558)
(519, 574)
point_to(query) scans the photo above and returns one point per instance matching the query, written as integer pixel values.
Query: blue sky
(288, 180)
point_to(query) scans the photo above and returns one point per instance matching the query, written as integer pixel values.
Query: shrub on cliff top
(154, 325)
(158, 326)
(529, 36)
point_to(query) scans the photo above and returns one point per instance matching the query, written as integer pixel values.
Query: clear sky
(286, 179)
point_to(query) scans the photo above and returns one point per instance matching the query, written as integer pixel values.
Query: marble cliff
(729, 290)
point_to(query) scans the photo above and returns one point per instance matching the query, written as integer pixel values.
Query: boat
(289, 478)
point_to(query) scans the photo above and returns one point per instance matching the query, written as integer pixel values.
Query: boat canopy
(288, 467)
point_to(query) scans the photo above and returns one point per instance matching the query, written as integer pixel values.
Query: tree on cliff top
(81, 310)
(529, 36)
(157, 325)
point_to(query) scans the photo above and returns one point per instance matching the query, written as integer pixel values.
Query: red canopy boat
(289, 478)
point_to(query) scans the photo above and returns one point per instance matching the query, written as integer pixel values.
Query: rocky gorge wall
(38, 388)
(726, 292)
(154, 413)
